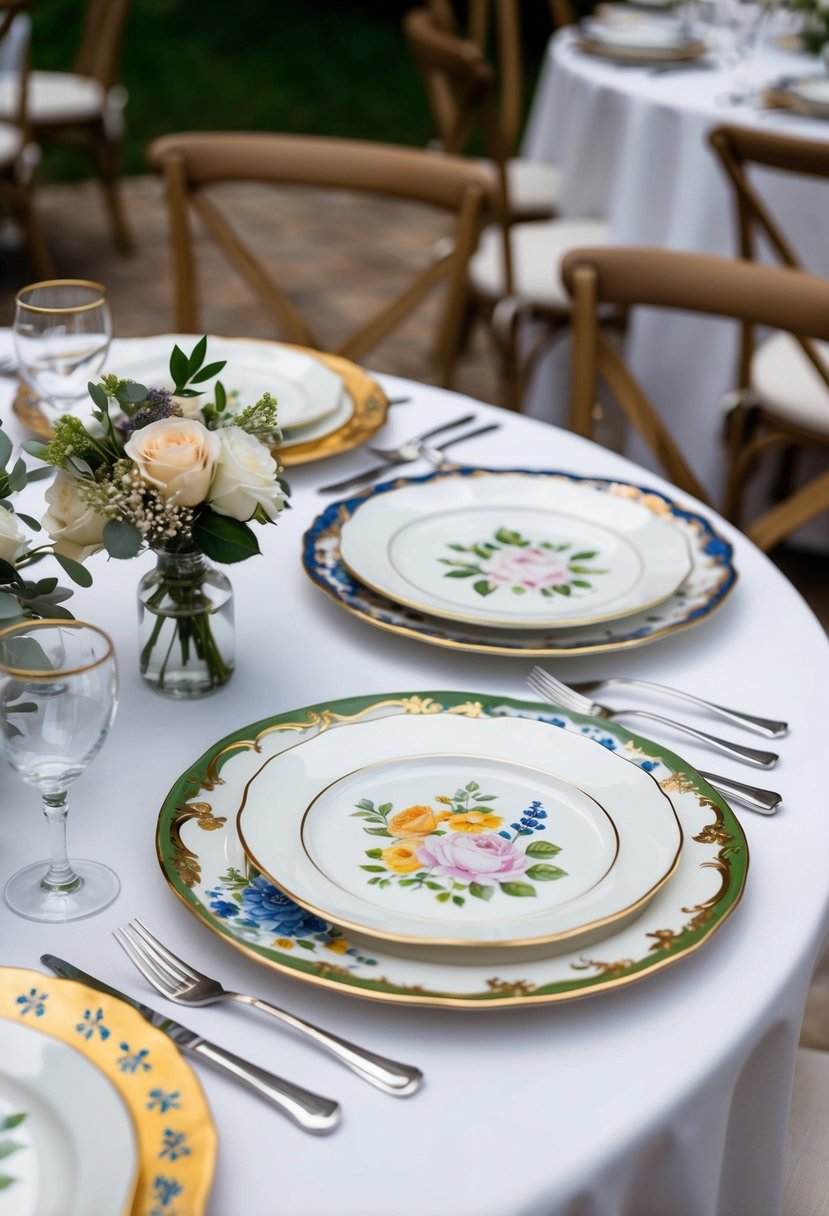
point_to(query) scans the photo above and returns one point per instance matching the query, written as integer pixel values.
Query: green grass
(327, 67)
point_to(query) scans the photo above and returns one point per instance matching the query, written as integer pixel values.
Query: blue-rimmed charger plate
(709, 582)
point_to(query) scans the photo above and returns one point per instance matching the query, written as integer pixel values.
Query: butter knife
(308, 1110)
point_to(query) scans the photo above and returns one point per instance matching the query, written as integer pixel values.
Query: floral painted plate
(438, 835)
(711, 578)
(514, 551)
(67, 1145)
(205, 865)
(176, 1138)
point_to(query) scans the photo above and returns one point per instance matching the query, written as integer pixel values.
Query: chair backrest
(100, 48)
(785, 299)
(447, 101)
(192, 163)
(738, 148)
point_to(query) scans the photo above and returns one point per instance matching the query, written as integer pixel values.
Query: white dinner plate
(514, 552)
(636, 35)
(460, 832)
(74, 1153)
(810, 94)
(305, 389)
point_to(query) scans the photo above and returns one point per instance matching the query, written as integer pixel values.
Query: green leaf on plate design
(545, 873)
(542, 848)
(517, 888)
(481, 891)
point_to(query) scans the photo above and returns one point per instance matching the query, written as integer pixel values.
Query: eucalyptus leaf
(132, 392)
(46, 586)
(80, 467)
(24, 654)
(17, 477)
(121, 539)
(78, 573)
(29, 521)
(5, 449)
(34, 447)
(9, 607)
(98, 395)
(9, 573)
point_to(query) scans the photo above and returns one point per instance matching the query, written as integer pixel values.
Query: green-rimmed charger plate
(205, 865)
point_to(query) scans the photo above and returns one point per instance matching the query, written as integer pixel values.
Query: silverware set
(183, 984)
(416, 448)
(574, 698)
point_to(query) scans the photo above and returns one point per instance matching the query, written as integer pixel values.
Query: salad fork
(180, 982)
(551, 689)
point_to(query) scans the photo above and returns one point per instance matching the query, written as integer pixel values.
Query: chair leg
(506, 328)
(106, 155)
(20, 198)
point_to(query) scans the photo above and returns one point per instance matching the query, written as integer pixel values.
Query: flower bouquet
(21, 597)
(158, 470)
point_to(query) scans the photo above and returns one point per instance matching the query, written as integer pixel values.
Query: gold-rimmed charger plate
(644, 56)
(370, 410)
(203, 862)
(174, 1129)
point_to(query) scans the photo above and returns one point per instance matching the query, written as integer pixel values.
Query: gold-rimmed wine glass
(62, 331)
(58, 694)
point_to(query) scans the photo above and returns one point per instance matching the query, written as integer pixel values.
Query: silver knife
(309, 1111)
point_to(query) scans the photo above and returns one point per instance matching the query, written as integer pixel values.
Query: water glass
(62, 331)
(58, 693)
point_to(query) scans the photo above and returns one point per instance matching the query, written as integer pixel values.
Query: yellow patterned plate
(175, 1131)
(370, 407)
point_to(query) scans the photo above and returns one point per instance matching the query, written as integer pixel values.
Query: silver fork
(551, 689)
(180, 982)
(765, 802)
(392, 457)
(769, 727)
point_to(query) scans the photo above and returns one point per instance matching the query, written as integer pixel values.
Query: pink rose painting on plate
(459, 847)
(512, 561)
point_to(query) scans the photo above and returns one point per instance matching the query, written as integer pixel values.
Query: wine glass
(62, 331)
(58, 693)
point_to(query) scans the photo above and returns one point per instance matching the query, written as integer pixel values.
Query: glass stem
(60, 877)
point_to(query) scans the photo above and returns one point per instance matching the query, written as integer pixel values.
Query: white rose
(176, 455)
(188, 407)
(12, 541)
(245, 476)
(76, 528)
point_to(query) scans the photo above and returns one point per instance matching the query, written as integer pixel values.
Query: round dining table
(632, 145)
(666, 1097)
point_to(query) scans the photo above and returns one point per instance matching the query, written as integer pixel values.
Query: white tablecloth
(633, 149)
(667, 1098)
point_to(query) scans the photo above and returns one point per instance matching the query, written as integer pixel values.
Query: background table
(633, 149)
(669, 1096)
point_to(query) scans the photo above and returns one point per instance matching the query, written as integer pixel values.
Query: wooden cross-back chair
(83, 109)
(784, 405)
(18, 153)
(778, 297)
(467, 91)
(512, 275)
(193, 163)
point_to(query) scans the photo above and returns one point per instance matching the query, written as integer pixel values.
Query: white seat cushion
(55, 97)
(534, 188)
(11, 141)
(807, 1159)
(788, 385)
(537, 252)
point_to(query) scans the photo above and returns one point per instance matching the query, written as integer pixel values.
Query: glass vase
(185, 625)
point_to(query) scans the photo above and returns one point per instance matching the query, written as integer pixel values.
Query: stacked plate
(639, 40)
(98, 1111)
(519, 562)
(805, 94)
(326, 404)
(451, 849)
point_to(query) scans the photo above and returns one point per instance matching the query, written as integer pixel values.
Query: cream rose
(12, 540)
(176, 455)
(245, 476)
(76, 528)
